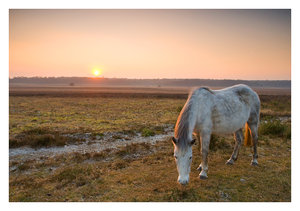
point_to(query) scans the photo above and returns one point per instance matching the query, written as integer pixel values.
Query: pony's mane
(207, 89)
(186, 117)
(182, 128)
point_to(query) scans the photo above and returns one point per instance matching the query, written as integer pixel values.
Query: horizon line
(92, 77)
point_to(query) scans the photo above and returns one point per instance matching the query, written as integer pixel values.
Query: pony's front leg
(205, 139)
(199, 141)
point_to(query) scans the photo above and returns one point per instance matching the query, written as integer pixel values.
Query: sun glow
(97, 72)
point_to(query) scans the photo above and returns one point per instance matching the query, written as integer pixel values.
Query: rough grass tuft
(177, 195)
(40, 137)
(120, 164)
(275, 128)
(23, 167)
(133, 148)
(147, 132)
(99, 155)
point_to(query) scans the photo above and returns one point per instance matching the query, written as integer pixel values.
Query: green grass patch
(275, 128)
(146, 132)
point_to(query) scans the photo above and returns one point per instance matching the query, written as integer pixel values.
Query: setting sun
(97, 72)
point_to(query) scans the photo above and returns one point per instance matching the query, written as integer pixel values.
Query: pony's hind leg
(238, 136)
(254, 134)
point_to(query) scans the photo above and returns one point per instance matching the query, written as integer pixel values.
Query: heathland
(113, 144)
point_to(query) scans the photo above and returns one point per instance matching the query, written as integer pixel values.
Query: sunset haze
(209, 44)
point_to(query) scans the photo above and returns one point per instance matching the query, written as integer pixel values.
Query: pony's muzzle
(183, 181)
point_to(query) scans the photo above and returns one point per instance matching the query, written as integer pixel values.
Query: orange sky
(210, 44)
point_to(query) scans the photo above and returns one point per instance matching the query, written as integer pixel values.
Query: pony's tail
(248, 137)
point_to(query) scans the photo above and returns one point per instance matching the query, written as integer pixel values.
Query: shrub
(275, 128)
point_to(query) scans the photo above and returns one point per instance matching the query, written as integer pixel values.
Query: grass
(141, 172)
(90, 115)
(40, 137)
(275, 128)
(275, 106)
(218, 142)
(152, 177)
(147, 132)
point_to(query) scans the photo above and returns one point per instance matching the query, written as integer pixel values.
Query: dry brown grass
(152, 177)
(142, 172)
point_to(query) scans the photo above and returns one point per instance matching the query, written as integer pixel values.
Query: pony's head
(183, 157)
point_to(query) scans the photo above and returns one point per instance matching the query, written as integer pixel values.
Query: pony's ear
(193, 141)
(174, 140)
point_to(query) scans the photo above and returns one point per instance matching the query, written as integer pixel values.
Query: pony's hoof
(203, 177)
(254, 163)
(230, 162)
(199, 168)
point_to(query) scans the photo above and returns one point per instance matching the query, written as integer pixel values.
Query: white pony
(207, 112)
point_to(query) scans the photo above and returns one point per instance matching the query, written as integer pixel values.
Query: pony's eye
(190, 157)
(175, 156)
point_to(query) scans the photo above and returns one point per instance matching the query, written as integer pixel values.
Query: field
(75, 144)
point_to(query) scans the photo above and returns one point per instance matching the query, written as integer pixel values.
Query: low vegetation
(70, 115)
(275, 129)
(151, 176)
(147, 132)
(140, 172)
(40, 137)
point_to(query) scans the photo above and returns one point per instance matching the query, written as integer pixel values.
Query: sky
(195, 43)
